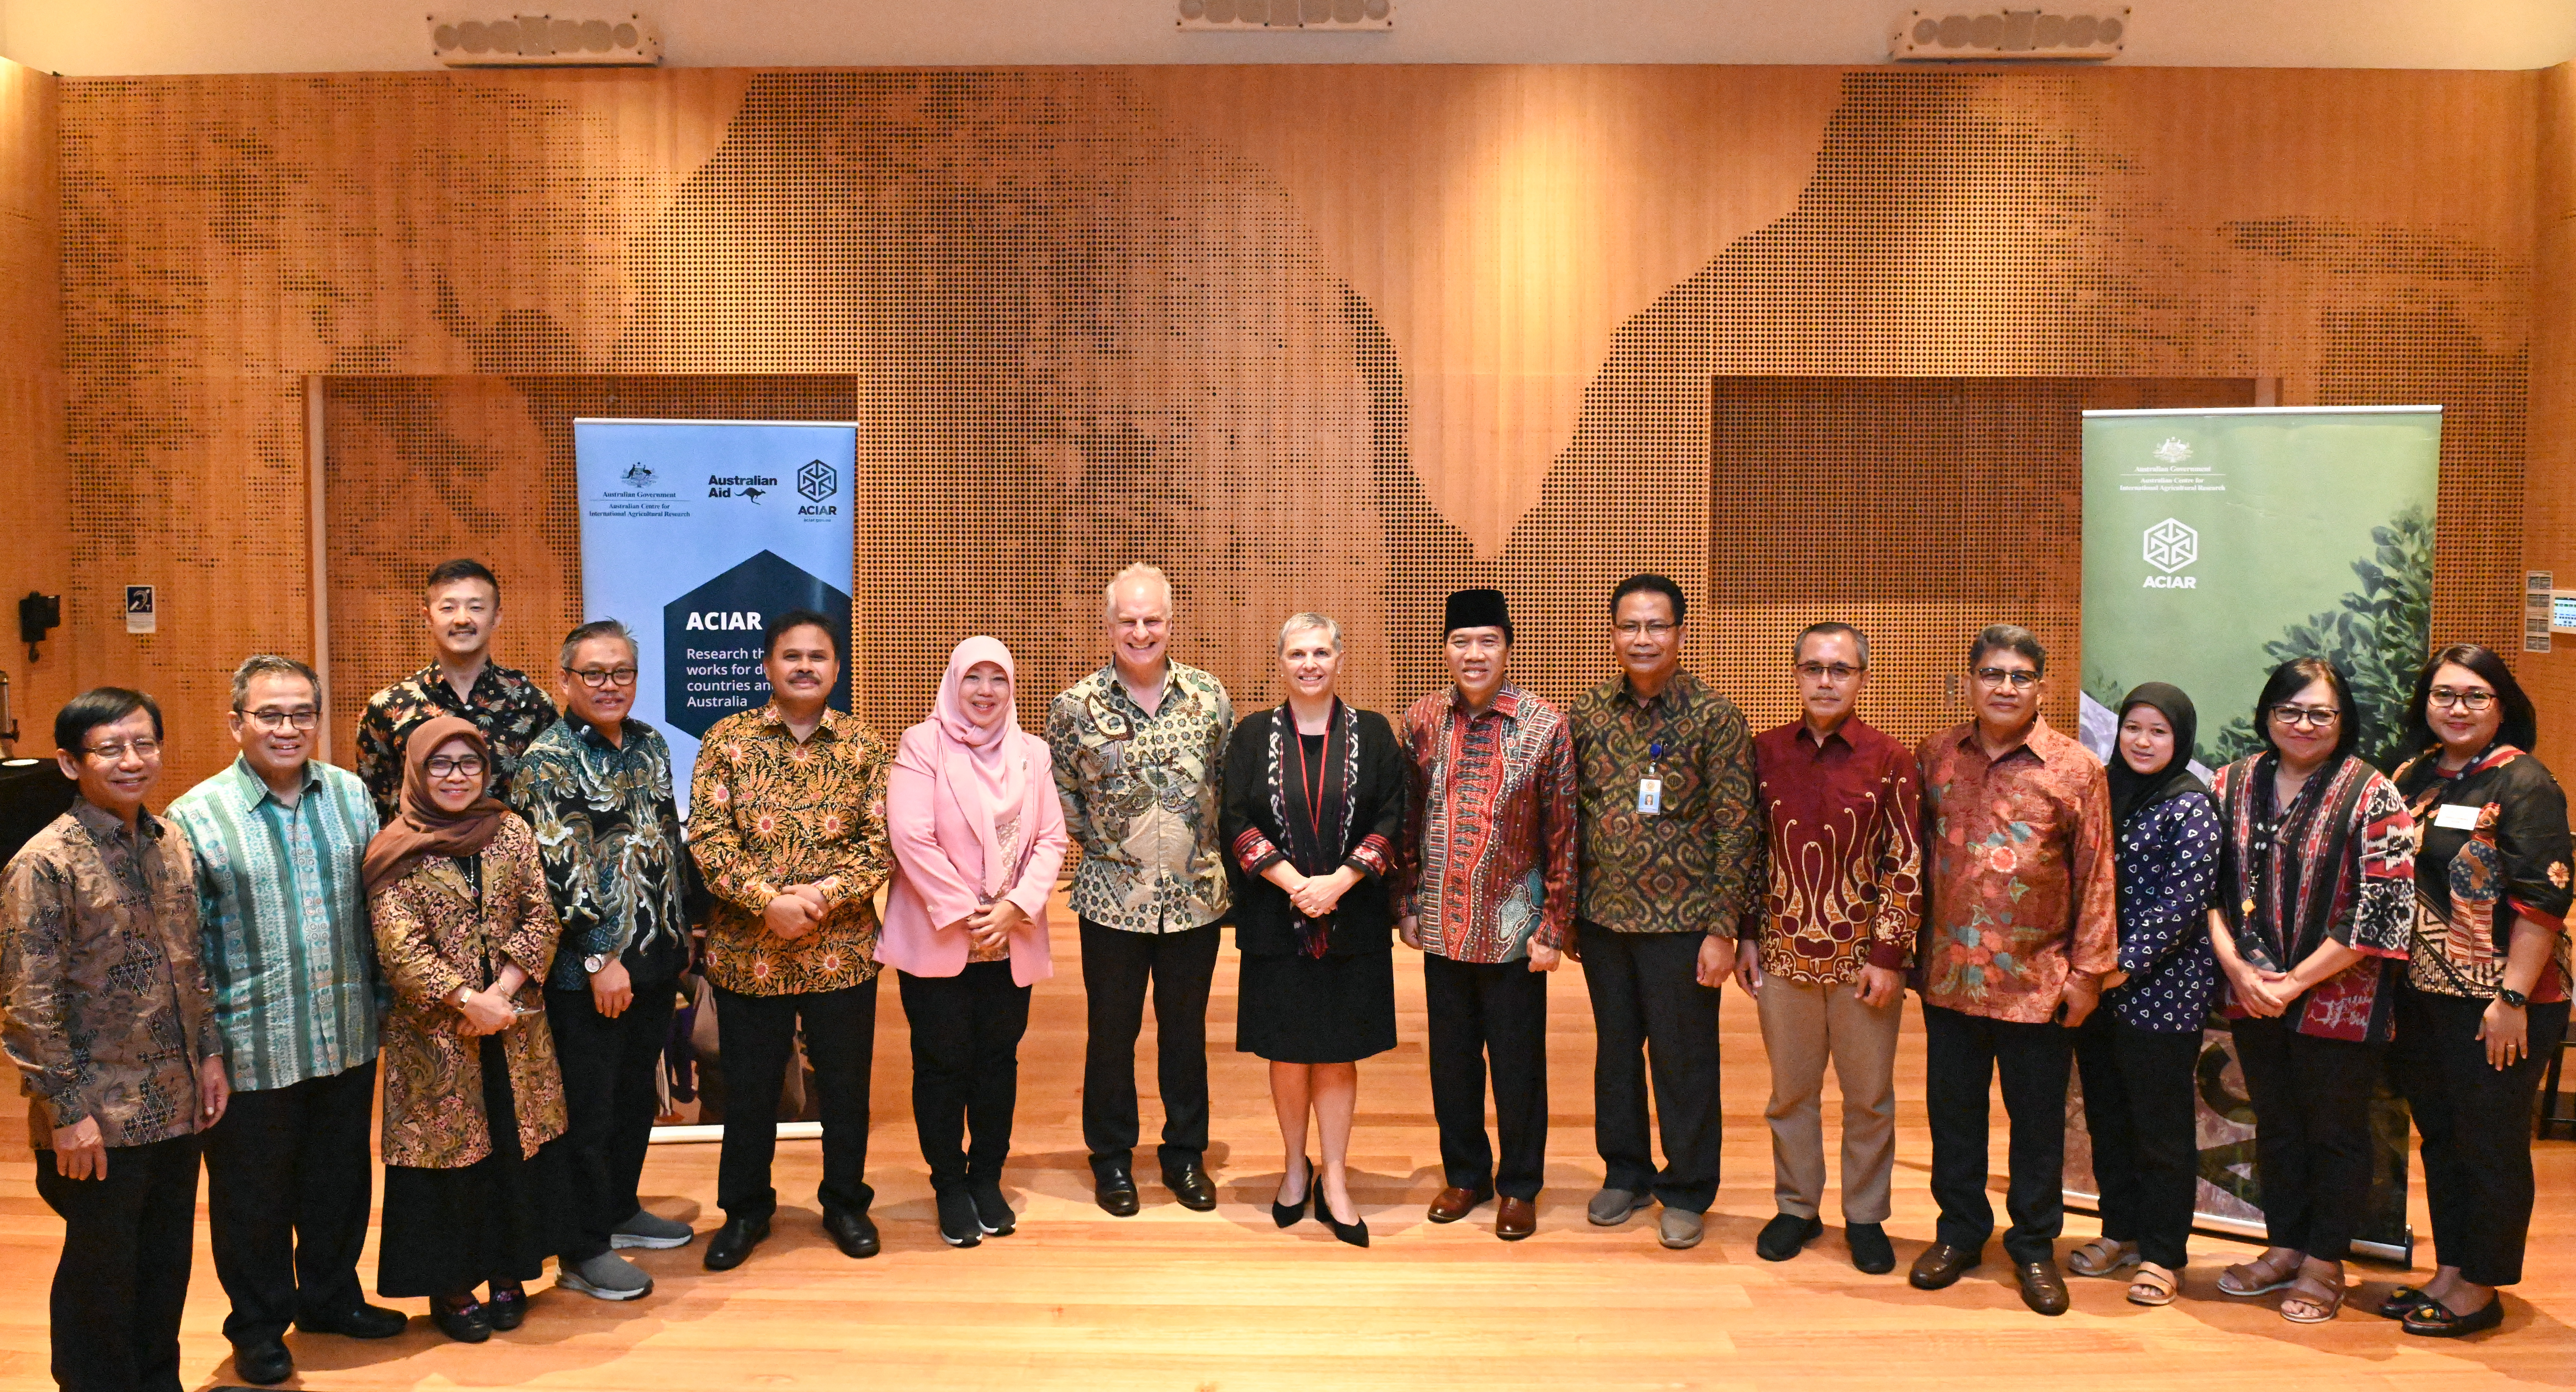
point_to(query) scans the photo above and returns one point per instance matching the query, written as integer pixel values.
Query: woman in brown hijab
(473, 1192)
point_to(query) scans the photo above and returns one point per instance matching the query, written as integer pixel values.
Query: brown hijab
(423, 828)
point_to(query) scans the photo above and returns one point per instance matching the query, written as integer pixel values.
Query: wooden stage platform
(1214, 1302)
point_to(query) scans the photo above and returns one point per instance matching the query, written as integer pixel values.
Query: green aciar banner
(2218, 544)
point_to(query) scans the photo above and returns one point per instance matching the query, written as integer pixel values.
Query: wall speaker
(1287, 16)
(540, 41)
(2008, 36)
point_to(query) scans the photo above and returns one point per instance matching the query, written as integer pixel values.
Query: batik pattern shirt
(2022, 874)
(1489, 827)
(2337, 864)
(1142, 798)
(2168, 860)
(1843, 817)
(608, 833)
(284, 915)
(508, 708)
(1693, 866)
(767, 810)
(2509, 861)
(108, 1011)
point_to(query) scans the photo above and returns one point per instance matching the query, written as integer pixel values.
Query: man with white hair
(1139, 751)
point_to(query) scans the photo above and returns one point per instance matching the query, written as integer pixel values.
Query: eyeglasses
(146, 749)
(1818, 671)
(2303, 717)
(1643, 630)
(2018, 678)
(597, 677)
(2473, 699)
(443, 766)
(303, 718)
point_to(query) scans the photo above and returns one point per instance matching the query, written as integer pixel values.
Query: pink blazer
(939, 864)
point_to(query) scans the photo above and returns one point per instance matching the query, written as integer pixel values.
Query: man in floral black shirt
(462, 602)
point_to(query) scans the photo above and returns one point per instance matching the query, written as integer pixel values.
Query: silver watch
(596, 963)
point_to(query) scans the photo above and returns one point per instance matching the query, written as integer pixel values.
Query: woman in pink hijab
(978, 836)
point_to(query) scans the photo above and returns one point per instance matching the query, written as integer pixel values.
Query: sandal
(2101, 1257)
(2261, 1276)
(2153, 1285)
(2435, 1320)
(2403, 1301)
(2312, 1301)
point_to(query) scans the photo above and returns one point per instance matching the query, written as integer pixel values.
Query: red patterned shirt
(1488, 826)
(1846, 883)
(2021, 873)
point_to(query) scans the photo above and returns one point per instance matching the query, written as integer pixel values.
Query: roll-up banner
(693, 534)
(2218, 544)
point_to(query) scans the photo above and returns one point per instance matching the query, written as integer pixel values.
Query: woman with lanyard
(2139, 1054)
(2315, 894)
(474, 1191)
(2485, 999)
(1314, 799)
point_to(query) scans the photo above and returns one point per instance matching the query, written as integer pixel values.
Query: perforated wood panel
(1336, 338)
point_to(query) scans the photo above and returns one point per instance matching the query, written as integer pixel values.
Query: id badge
(2454, 816)
(1650, 797)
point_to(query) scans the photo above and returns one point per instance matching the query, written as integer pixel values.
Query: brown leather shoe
(1454, 1203)
(1515, 1219)
(2042, 1288)
(1941, 1266)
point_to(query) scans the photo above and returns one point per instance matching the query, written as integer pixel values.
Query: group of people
(496, 907)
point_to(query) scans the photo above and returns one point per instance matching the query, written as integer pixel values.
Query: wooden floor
(1208, 1302)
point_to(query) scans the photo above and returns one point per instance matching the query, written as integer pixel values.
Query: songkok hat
(1478, 609)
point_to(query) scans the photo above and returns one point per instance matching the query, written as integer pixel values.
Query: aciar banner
(692, 534)
(2218, 544)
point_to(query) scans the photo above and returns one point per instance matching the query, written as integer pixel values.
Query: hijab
(421, 828)
(985, 767)
(2133, 792)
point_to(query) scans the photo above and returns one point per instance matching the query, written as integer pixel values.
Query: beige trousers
(1802, 1027)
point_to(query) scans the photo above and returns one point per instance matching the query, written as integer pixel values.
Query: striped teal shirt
(288, 949)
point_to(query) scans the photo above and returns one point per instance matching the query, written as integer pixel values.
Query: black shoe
(1115, 1190)
(734, 1241)
(2403, 1301)
(2434, 1320)
(1192, 1187)
(364, 1322)
(1287, 1215)
(992, 1211)
(1786, 1235)
(1354, 1233)
(958, 1225)
(466, 1323)
(852, 1231)
(263, 1363)
(1869, 1248)
(507, 1309)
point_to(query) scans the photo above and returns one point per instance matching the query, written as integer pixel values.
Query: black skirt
(1293, 1008)
(498, 1219)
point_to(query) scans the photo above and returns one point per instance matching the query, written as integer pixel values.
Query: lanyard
(1315, 777)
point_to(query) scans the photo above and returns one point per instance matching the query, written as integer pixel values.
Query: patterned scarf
(1315, 846)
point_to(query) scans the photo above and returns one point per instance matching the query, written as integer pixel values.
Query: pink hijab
(984, 766)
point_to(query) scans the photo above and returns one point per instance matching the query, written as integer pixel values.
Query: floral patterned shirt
(1845, 817)
(1142, 797)
(1694, 866)
(108, 1013)
(609, 834)
(2506, 857)
(1489, 826)
(767, 810)
(2021, 890)
(508, 708)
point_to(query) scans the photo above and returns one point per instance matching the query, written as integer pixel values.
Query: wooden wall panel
(2549, 492)
(35, 550)
(1337, 338)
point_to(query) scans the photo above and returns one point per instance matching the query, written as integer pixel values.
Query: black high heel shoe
(1355, 1234)
(1286, 1215)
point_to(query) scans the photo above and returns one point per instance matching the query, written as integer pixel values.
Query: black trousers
(123, 1276)
(758, 1035)
(2476, 1124)
(1962, 1056)
(1479, 1010)
(289, 1181)
(1647, 1000)
(2311, 1101)
(2140, 1109)
(1117, 969)
(609, 1102)
(965, 1068)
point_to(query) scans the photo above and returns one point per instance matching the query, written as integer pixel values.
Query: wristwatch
(2512, 997)
(596, 963)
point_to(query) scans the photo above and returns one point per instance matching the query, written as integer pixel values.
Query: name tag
(2453, 816)
(1650, 797)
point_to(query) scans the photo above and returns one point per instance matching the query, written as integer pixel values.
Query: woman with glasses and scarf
(2485, 998)
(2315, 897)
(1314, 797)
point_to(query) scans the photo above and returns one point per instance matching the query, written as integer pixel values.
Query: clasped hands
(795, 911)
(990, 926)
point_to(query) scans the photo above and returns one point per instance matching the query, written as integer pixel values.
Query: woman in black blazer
(1314, 798)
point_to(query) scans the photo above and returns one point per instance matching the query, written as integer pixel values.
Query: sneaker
(607, 1276)
(992, 1211)
(1679, 1229)
(1611, 1207)
(651, 1230)
(958, 1225)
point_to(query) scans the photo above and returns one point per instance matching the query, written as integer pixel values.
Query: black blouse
(2504, 855)
(1275, 810)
